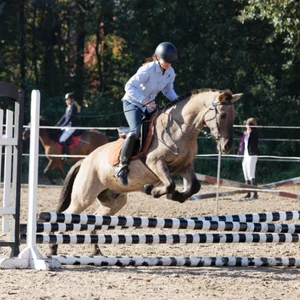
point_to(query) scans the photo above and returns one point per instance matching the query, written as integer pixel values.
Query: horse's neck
(188, 116)
(45, 138)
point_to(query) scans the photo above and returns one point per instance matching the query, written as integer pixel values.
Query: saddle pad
(114, 154)
(75, 141)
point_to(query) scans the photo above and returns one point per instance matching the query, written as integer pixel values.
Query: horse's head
(26, 133)
(219, 118)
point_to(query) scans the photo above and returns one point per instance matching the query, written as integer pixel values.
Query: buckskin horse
(172, 151)
(81, 144)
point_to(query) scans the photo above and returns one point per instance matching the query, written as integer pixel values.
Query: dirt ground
(89, 282)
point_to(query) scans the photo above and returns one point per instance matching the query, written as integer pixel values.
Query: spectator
(249, 150)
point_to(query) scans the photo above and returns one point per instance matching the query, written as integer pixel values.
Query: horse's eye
(223, 115)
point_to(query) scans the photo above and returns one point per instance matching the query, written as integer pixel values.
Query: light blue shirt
(148, 81)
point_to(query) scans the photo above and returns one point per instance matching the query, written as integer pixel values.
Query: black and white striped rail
(218, 261)
(200, 238)
(168, 223)
(255, 217)
(63, 227)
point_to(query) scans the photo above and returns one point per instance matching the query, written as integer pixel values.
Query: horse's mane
(190, 94)
(53, 133)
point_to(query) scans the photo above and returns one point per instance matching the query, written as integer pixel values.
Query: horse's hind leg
(110, 204)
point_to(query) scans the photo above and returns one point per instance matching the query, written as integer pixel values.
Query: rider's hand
(150, 104)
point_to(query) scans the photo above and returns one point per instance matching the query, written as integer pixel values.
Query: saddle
(71, 142)
(142, 145)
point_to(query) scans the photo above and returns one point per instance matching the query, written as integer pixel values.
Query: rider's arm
(169, 91)
(133, 86)
(71, 114)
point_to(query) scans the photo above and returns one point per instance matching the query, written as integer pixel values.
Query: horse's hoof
(177, 196)
(147, 189)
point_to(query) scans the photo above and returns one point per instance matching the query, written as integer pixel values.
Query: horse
(172, 151)
(82, 144)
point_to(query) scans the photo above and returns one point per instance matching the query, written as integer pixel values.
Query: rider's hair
(150, 59)
(78, 106)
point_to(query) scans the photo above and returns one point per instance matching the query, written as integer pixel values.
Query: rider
(68, 120)
(154, 76)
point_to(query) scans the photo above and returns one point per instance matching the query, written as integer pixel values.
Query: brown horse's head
(26, 133)
(219, 117)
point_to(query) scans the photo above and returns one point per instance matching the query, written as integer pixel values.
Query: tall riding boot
(253, 182)
(65, 150)
(248, 195)
(122, 170)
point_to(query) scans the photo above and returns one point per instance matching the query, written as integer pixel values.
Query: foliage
(93, 47)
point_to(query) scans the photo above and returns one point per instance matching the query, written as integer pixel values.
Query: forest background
(93, 47)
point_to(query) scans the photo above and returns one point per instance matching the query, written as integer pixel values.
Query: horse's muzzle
(224, 145)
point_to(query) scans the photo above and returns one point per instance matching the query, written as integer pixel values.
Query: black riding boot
(65, 150)
(248, 195)
(127, 149)
(253, 182)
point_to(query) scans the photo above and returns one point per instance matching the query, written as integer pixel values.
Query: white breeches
(249, 166)
(66, 134)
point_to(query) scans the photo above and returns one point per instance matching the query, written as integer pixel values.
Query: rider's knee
(132, 136)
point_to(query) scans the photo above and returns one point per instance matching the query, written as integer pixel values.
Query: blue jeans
(134, 117)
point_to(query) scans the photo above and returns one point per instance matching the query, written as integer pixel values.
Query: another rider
(68, 120)
(154, 76)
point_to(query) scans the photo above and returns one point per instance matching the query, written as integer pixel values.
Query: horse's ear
(236, 97)
(224, 95)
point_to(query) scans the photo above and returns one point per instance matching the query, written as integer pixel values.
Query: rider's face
(165, 65)
(68, 101)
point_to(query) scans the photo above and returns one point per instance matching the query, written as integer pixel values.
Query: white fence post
(30, 257)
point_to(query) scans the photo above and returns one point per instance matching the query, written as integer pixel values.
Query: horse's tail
(65, 195)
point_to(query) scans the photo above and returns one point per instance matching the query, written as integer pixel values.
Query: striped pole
(219, 261)
(202, 238)
(53, 217)
(256, 217)
(63, 227)
(175, 224)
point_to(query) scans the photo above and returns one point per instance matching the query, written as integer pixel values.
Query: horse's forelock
(226, 95)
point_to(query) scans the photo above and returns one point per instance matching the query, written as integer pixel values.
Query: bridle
(213, 106)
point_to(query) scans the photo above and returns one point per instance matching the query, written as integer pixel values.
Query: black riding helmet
(69, 96)
(167, 51)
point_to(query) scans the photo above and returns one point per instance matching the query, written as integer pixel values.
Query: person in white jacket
(154, 76)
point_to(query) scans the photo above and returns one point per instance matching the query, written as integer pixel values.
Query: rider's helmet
(69, 96)
(167, 51)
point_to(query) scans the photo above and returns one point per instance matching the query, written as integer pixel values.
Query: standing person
(249, 149)
(154, 76)
(68, 120)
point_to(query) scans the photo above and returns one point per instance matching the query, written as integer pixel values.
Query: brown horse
(172, 151)
(85, 143)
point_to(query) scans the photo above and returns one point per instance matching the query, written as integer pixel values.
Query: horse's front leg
(162, 172)
(193, 185)
(47, 171)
